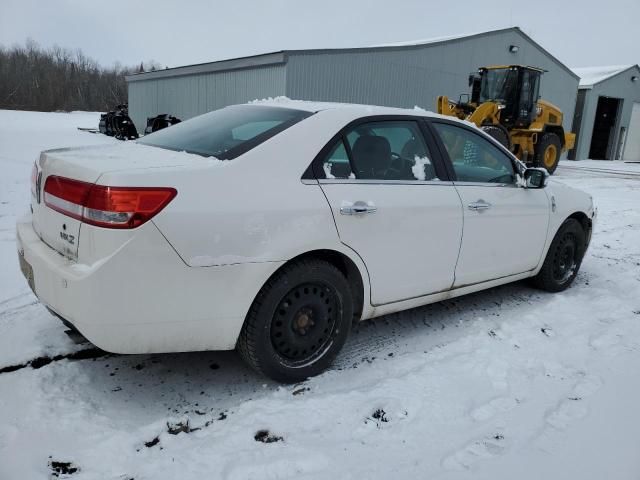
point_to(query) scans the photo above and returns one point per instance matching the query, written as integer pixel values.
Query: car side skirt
(377, 311)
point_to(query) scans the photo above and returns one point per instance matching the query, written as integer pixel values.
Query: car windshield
(498, 84)
(226, 133)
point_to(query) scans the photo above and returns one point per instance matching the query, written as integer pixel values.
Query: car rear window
(226, 133)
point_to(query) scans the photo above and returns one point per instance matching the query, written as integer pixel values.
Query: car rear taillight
(103, 206)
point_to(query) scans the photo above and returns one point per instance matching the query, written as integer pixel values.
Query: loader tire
(498, 134)
(547, 154)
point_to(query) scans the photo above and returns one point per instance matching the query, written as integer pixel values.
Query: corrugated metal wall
(190, 95)
(399, 76)
(619, 86)
(406, 77)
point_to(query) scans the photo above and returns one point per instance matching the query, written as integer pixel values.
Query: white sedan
(271, 227)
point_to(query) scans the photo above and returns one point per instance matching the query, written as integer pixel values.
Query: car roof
(310, 106)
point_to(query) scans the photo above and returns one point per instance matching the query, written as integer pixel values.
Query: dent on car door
(392, 208)
(505, 225)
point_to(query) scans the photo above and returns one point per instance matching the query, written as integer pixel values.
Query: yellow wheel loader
(504, 103)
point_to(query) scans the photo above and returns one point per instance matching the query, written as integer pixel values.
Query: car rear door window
(384, 150)
(336, 164)
(474, 158)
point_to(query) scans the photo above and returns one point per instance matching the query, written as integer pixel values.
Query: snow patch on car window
(418, 169)
(327, 170)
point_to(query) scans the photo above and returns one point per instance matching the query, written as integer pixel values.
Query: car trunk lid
(87, 164)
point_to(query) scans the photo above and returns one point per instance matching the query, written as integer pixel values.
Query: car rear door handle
(479, 205)
(358, 208)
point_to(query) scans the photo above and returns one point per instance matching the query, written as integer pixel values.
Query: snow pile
(507, 383)
(278, 99)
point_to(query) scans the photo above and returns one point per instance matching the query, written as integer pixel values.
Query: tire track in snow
(11, 299)
(13, 310)
(429, 326)
(40, 362)
(599, 172)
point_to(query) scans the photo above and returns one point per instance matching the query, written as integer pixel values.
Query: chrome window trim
(355, 181)
(459, 183)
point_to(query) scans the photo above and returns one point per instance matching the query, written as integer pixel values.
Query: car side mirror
(535, 178)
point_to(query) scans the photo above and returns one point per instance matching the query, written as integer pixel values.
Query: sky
(182, 32)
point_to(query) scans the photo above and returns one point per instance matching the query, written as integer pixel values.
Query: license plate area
(27, 271)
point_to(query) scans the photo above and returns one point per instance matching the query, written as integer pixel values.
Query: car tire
(563, 259)
(547, 152)
(298, 322)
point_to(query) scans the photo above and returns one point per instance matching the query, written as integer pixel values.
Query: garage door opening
(604, 128)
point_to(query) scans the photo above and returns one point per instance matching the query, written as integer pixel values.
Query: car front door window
(474, 158)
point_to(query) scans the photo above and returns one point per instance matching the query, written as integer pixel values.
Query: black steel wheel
(305, 322)
(563, 259)
(298, 322)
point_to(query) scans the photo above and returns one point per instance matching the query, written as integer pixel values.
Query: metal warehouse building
(607, 115)
(400, 75)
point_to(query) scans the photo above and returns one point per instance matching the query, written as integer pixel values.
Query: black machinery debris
(118, 124)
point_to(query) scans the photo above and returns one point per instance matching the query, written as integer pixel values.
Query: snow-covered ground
(508, 383)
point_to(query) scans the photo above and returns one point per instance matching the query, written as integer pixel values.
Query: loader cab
(515, 88)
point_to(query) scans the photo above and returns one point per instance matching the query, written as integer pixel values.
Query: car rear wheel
(298, 322)
(563, 259)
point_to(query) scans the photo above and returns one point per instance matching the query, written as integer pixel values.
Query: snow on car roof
(589, 76)
(311, 106)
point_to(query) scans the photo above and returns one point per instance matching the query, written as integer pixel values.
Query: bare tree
(34, 78)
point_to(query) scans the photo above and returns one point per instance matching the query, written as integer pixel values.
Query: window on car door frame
(380, 150)
(474, 159)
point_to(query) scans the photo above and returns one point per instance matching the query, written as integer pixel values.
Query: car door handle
(479, 205)
(358, 208)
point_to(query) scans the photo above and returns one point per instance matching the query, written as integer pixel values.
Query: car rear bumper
(143, 298)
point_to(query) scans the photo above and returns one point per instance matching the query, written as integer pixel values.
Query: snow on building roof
(589, 76)
(427, 41)
(281, 57)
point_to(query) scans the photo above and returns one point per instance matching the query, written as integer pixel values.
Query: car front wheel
(563, 259)
(298, 322)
